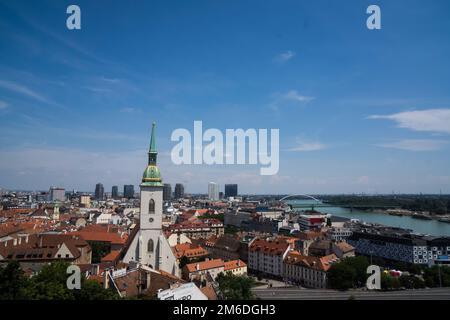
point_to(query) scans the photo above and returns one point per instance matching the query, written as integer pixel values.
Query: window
(150, 246)
(151, 206)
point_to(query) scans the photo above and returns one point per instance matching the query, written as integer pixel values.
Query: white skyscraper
(213, 191)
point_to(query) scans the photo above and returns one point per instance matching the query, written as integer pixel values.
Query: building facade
(213, 191)
(99, 191)
(149, 246)
(167, 192)
(231, 190)
(115, 192)
(179, 191)
(128, 191)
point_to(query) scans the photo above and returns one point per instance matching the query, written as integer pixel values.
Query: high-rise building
(115, 192)
(99, 191)
(57, 194)
(128, 191)
(231, 190)
(167, 192)
(149, 246)
(179, 191)
(213, 191)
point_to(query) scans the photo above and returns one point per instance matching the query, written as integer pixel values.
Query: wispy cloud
(293, 95)
(431, 120)
(305, 146)
(130, 110)
(3, 105)
(290, 97)
(284, 57)
(415, 144)
(23, 90)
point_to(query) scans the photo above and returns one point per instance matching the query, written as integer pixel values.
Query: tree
(348, 273)
(389, 282)
(412, 282)
(49, 284)
(235, 287)
(183, 261)
(341, 276)
(437, 275)
(12, 282)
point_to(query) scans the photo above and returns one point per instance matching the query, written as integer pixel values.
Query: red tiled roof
(112, 256)
(234, 264)
(205, 265)
(273, 247)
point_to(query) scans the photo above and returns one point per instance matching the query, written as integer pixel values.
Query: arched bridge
(299, 195)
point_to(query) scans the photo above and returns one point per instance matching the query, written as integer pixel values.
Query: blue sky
(358, 110)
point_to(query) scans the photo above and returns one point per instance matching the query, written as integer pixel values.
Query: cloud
(290, 97)
(415, 144)
(130, 110)
(293, 95)
(23, 90)
(284, 57)
(308, 146)
(3, 105)
(431, 120)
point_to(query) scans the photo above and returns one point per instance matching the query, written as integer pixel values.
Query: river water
(432, 227)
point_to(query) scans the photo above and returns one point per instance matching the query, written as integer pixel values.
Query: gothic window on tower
(150, 245)
(151, 206)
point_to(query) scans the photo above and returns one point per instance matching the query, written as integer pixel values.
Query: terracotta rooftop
(205, 265)
(234, 264)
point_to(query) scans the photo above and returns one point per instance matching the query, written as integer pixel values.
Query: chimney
(26, 238)
(20, 240)
(197, 266)
(15, 242)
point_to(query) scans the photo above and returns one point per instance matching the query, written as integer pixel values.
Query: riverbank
(422, 215)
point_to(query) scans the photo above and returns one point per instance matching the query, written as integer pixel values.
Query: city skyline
(359, 111)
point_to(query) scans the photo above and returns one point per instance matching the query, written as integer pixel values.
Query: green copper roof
(152, 175)
(153, 139)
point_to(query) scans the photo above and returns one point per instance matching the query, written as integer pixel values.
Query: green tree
(12, 282)
(341, 276)
(389, 282)
(235, 287)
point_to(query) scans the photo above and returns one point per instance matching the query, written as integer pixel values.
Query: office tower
(179, 191)
(231, 190)
(115, 192)
(167, 192)
(128, 191)
(99, 191)
(213, 191)
(57, 194)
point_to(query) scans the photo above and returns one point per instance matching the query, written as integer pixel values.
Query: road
(321, 294)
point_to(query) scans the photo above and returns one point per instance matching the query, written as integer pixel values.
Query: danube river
(432, 227)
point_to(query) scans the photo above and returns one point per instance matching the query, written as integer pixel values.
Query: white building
(149, 246)
(267, 255)
(213, 191)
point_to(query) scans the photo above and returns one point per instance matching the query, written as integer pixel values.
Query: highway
(322, 294)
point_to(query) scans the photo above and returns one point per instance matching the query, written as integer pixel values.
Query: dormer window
(151, 206)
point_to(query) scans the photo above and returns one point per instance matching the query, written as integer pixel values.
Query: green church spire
(152, 176)
(153, 139)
